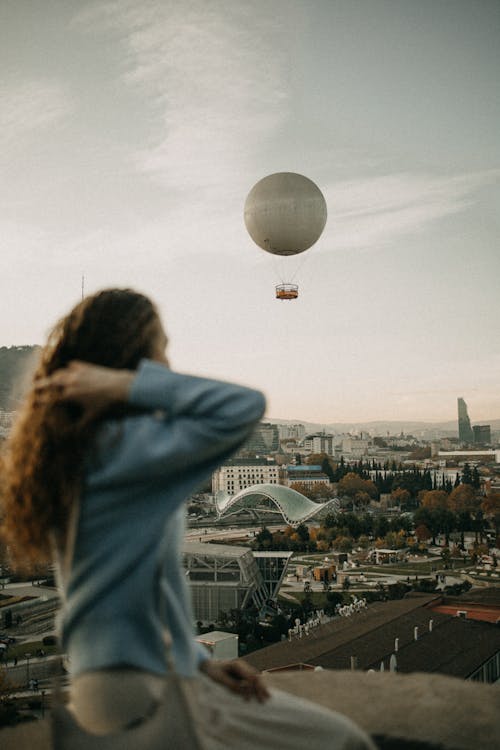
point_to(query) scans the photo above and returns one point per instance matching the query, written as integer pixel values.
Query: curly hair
(42, 460)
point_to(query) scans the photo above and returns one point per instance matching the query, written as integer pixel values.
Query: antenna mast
(83, 286)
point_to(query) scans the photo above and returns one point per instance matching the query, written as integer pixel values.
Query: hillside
(16, 362)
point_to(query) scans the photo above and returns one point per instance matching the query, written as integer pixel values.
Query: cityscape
(386, 547)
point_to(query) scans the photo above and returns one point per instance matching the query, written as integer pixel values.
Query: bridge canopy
(265, 499)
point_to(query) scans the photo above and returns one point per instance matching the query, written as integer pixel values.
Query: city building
(291, 431)
(264, 439)
(407, 635)
(237, 474)
(224, 577)
(309, 475)
(355, 447)
(477, 456)
(465, 434)
(319, 442)
(482, 434)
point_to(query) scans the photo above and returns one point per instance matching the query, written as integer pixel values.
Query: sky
(131, 133)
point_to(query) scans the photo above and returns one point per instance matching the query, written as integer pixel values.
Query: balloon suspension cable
(278, 267)
(304, 258)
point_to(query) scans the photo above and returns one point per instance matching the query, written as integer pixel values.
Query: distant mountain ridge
(16, 364)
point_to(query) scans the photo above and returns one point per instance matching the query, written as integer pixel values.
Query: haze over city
(132, 132)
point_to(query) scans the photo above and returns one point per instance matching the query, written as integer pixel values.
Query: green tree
(330, 521)
(263, 539)
(303, 532)
(467, 475)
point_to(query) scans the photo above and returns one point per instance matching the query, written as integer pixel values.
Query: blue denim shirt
(126, 585)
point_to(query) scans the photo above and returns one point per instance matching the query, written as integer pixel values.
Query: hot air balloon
(285, 214)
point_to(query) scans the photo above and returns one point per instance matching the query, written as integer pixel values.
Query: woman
(108, 446)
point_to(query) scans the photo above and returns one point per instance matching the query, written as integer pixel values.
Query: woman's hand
(93, 387)
(238, 676)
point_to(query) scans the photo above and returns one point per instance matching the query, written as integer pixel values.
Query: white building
(319, 442)
(354, 446)
(238, 474)
(291, 431)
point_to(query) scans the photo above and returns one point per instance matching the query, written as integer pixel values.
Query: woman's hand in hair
(238, 676)
(94, 387)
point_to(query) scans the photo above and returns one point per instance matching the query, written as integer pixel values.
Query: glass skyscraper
(465, 434)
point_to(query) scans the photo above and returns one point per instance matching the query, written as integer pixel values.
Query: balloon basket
(287, 291)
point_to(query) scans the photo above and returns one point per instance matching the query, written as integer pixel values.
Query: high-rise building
(264, 439)
(482, 434)
(465, 434)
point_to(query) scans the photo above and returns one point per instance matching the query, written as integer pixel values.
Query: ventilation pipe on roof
(431, 625)
(415, 633)
(396, 644)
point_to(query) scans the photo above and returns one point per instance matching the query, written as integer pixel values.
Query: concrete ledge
(405, 711)
(401, 712)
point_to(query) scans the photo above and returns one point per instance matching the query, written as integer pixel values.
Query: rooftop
(455, 647)
(214, 550)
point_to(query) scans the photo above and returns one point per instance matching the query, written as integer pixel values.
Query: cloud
(29, 106)
(216, 84)
(376, 211)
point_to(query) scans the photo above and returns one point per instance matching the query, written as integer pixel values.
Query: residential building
(319, 442)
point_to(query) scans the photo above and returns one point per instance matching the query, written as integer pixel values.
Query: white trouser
(107, 700)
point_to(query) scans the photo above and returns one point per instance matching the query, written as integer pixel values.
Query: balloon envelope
(285, 213)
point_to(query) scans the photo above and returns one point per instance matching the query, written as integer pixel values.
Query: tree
(352, 524)
(357, 489)
(303, 532)
(343, 543)
(422, 533)
(434, 499)
(491, 508)
(467, 474)
(264, 539)
(400, 496)
(446, 522)
(476, 479)
(381, 526)
(463, 498)
(330, 521)
(316, 491)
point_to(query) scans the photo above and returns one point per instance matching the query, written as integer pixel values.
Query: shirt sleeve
(192, 422)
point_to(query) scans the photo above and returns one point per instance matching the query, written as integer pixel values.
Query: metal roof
(214, 550)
